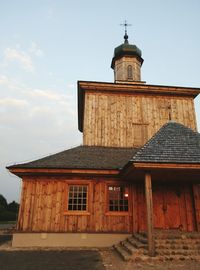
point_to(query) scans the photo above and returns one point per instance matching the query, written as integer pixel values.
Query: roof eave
(61, 171)
(166, 165)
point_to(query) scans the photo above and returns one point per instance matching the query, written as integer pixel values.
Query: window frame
(77, 212)
(117, 213)
(130, 72)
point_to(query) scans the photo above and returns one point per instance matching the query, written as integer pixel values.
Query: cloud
(13, 102)
(21, 57)
(48, 94)
(9, 84)
(35, 50)
(4, 80)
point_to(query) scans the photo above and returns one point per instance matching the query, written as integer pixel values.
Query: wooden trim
(117, 213)
(89, 201)
(149, 205)
(143, 165)
(22, 171)
(76, 213)
(140, 87)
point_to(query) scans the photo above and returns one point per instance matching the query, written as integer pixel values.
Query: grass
(7, 222)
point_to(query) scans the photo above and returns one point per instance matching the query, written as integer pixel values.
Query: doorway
(173, 206)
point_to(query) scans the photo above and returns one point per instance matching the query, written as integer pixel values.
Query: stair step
(122, 252)
(168, 248)
(129, 247)
(140, 237)
(136, 243)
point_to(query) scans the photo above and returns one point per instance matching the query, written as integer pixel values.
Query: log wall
(43, 207)
(129, 120)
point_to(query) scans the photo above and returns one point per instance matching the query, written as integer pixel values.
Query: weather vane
(125, 24)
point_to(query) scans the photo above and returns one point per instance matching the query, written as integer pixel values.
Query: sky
(46, 46)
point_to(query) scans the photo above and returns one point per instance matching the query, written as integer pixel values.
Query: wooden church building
(137, 170)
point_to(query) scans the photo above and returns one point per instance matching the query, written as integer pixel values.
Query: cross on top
(125, 24)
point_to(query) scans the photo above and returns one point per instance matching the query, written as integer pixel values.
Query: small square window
(77, 197)
(118, 198)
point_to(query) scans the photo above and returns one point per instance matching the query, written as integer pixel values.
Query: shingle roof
(84, 157)
(173, 143)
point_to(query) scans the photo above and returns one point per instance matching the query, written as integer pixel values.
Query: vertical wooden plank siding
(129, 120)
(44, 208)
(190, 211)
(149, 204)
(21, 207)
(196, 192)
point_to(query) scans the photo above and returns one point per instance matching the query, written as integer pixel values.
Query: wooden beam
(138, 88)
(24, 171)
(176, 166)
(149, 205)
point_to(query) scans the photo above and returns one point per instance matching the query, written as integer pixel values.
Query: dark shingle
(84, 157)
(173, 143)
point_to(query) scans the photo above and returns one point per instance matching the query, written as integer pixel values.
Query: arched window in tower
(130, 72)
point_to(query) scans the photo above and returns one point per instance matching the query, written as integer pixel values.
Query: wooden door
(173, 207)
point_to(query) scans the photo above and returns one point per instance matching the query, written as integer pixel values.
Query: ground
(78, 259)
(51, 260)
(112, 261)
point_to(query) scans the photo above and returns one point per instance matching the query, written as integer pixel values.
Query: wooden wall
(128, 120)
(44, 204)
(196, 190)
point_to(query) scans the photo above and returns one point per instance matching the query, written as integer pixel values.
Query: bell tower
(127, 62)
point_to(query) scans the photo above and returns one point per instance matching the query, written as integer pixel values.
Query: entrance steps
(169, 245)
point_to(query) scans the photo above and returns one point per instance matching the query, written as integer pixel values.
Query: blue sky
(47, 45)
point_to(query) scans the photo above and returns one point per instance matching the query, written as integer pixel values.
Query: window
(130, 72)
(118, 198)
(77, 197)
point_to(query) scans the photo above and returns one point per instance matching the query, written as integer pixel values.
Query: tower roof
(126, 49)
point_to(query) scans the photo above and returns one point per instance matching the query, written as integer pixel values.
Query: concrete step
(122, 252)
(137, 244)
(129, 247)
(140, 237)
(135, 249)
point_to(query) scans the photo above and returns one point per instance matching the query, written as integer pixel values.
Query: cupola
(127, 62)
